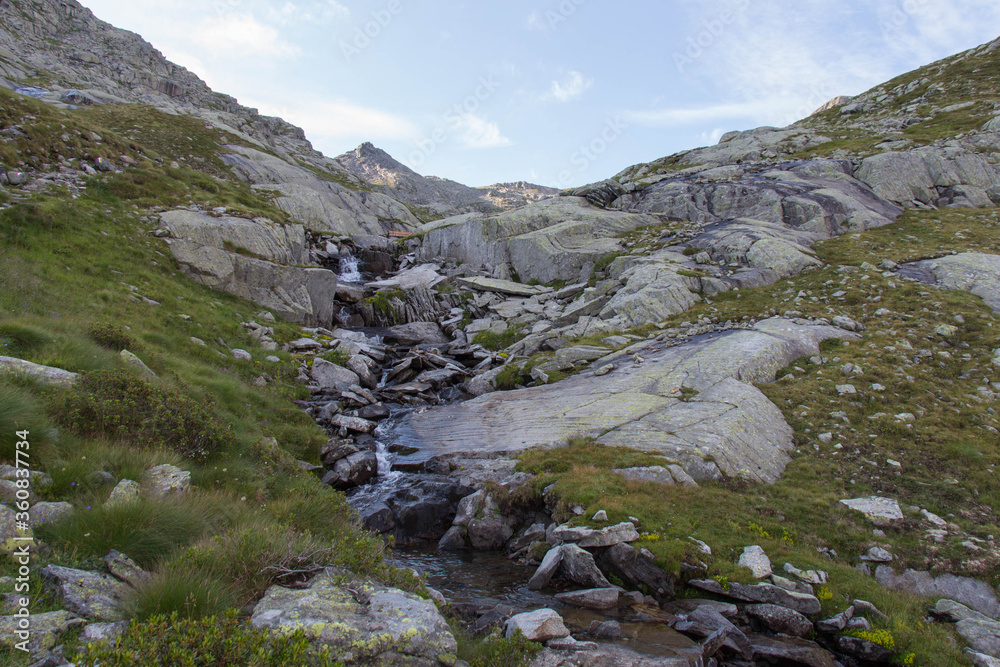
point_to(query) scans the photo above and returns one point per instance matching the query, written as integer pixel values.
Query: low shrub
(214, 640)
(111, 336)
(497, 651)
(117, 404)
(496, 342)
(175, 591)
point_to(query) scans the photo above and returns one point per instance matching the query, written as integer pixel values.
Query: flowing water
(349, 272)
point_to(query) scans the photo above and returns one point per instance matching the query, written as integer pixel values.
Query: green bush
(496, 342)
(497, 651)
(177, 641)
(116, 404)
(111, 336)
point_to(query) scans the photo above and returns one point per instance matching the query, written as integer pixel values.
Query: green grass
(497, 342)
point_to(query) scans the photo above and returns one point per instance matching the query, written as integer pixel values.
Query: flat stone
(593, 598)
(42, 513)
(606, 537)
(784, 650)
(331, 377)
(978, 595)
(880, 511)
(762, 593)
(502, 286)
(652, 474)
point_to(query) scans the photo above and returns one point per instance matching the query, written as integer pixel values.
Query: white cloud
(570, 88)
(477, 132)
(707, 114)
(535, 21)
(237, 35)
(339, 120)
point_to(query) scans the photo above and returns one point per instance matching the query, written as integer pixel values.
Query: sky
(556, 92)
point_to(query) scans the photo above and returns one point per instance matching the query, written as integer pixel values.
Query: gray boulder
(45, 512)
(330, 377)
(165, 480)
(973, 593)
(593, 598)
(537, 626)
(44, 374)
(780, 619)
(762, 593)
(95, 596)
(974, 272)
(374, 623)
(47, 629)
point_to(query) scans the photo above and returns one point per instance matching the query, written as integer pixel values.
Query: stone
(374, 623)
(606, 629)
(786, 650)
(165, 480)
(537, 626)
(878, 555)
(96, 632)
(489, 532)
(864, 649)
(547, 570)
(125, 569)
(780, 619)
(47, 629)
(652, 474)
(756, 561)
(45, 374)
(880, 511)
(502, 286)
(95, 596)
(593, 598)
(125, 491)
(762, 593)
(136, 363)
(45, 513)
(352, 471)
(737, 430)
(600, 516)
(978, 595)
(636, 569)
(578, 566)
(356, 424)
(416, 333)
(241, 355)
(981, 659)
(714, 622)
(330, 377)
(974, 272)
(453, 540)
(610, 536)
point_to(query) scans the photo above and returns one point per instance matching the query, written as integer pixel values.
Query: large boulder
(929, 175)
(43, 374)
(261, 238)
(367, 620)
(328, 376)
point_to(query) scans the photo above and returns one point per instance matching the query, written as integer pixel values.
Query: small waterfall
(349, 269)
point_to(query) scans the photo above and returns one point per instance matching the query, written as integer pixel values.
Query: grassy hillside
(81, 278)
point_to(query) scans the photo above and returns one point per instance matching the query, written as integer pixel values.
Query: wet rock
(606, 629)
(547, 570)
(94, 596)
(375, 412)
(593, 598)
(165, 480)
(538, 626)
(373, 622)
(453, 540)
(352, 471)
(762, 593)
(780, 619)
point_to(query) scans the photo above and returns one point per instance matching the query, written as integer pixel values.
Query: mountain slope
(440, 197)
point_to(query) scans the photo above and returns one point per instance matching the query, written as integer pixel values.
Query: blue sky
(559, 92)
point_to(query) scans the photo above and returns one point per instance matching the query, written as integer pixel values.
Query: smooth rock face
(537, 626)
(46, 374)
(366, 619)
(973, 272)
(95, 596)
(976, 594)
(639, 406)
